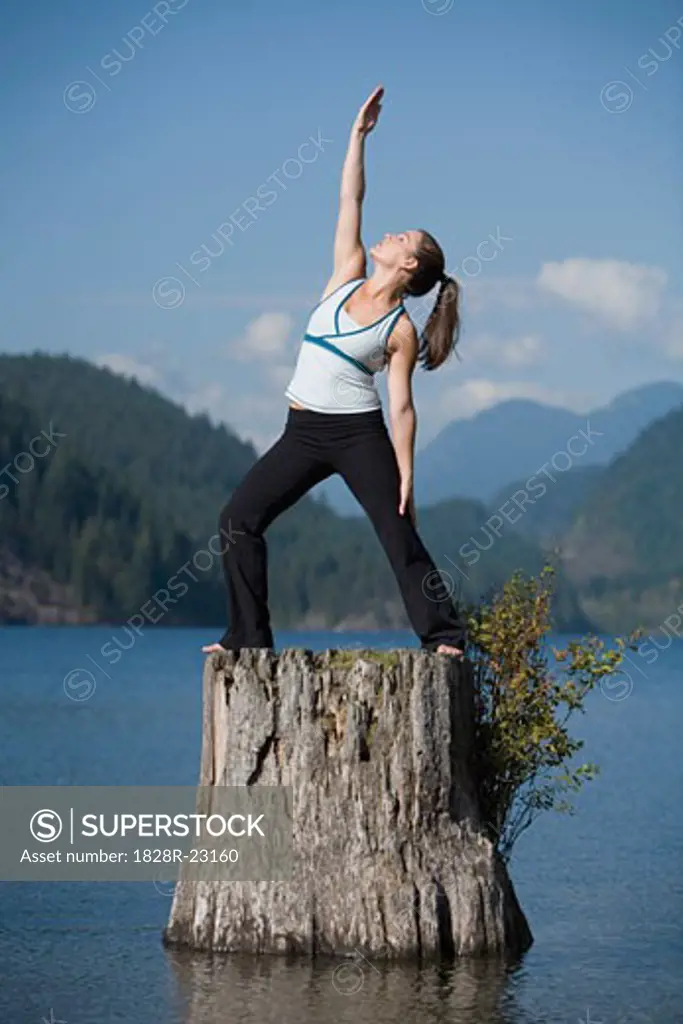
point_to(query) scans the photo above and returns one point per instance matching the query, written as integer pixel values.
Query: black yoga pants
(311, 448)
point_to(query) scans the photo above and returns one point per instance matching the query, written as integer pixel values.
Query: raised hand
(368, 115)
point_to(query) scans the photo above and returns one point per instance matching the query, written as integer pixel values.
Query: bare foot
(447, 649)
(213, 649)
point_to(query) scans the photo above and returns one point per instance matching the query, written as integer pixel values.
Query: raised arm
(349, 253)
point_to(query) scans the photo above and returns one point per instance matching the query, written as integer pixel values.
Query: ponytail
(442, 330)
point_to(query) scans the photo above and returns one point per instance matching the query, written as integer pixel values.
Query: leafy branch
(525, 756)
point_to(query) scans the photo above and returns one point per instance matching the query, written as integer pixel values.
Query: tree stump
(390, 857)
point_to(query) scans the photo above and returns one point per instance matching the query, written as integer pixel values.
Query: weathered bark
(390, 860)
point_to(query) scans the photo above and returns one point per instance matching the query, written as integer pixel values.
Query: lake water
(602, 890)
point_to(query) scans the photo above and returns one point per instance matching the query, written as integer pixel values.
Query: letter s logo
(46, 826)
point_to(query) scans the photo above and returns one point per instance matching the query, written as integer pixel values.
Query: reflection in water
(250, 990)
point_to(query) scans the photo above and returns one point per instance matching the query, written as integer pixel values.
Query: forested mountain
(545, 515)
(480, 555)
(82, 527)
(624, 550)
(118, 505)
(120, 426)
(477, 457)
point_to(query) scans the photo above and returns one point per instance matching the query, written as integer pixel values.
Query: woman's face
(397, 251)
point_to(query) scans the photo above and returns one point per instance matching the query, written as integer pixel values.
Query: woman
(335, 422)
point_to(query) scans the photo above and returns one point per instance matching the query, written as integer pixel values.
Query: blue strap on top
(343, 302)
(399, 313)
(324, 343)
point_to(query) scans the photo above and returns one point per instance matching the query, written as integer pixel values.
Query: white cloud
(620, 294)
(264, 337)
(127, 366)
(526, 350)
(280, 375)
(212, 399)
(252, 402)
(522, 351)
(464, 400)
(672, 339)
(257, 416)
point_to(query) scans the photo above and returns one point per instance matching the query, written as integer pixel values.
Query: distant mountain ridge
(624, 550)
(616, 529)
(479, 457)
(548, 513)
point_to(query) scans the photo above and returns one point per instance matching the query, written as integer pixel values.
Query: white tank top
(338, 359)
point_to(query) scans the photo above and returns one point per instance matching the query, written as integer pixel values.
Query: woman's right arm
(349, 253)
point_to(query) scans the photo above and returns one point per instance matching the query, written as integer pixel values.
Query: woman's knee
(236, 517)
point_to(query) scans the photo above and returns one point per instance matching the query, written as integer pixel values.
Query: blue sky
(499, 121)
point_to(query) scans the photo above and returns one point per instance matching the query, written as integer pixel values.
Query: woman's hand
(407, 501)
(368, 114)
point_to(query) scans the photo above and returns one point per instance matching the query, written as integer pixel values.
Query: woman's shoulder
(402, 334)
